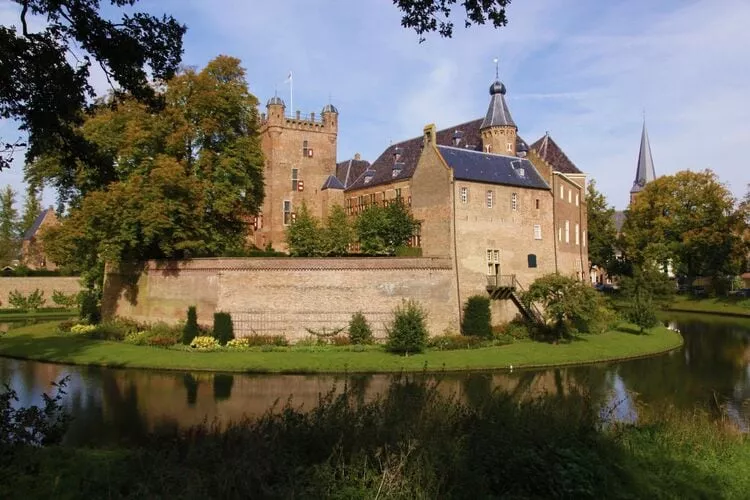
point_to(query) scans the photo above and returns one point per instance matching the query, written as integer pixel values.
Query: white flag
(288, 78)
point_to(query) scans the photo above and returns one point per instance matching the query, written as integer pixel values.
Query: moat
(712, 370)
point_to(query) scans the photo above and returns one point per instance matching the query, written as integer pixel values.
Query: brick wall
(288, 296)
(47, 284)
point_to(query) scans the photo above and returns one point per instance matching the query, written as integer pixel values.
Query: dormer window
(397, 155)
(368, 178)
(395, 173)
(457, 136)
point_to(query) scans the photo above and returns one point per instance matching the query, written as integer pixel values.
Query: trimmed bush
(191, 329)
(477, 319)
(223, 328)
(359, 330)
(89, 303)
(408, 332)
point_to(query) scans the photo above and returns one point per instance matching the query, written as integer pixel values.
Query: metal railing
(300, 324)
(501, 280)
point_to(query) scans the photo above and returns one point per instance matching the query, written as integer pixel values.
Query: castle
(496, 207)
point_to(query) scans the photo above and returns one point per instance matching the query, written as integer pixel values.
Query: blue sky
(583, 70)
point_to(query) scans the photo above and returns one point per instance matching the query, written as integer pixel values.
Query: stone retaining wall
(47, 284)
(290, 296)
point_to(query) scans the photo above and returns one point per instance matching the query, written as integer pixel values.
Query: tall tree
(174, 184)
(428, 16)
(44, 74)
(9, 241)
(32, 207)
(602, 232)
(304, 236)
(381, 230)
(338, 233)
(688, 220)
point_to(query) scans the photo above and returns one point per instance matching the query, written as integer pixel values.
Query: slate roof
(498, 114)
(31, 232)
(332, 183)
(552, 154)
(645, 172)
(491, 168)
(465, 135)
(348, 171)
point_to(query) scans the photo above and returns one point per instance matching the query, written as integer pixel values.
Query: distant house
(32, 249)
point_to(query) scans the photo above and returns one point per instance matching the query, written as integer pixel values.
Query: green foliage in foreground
(190, 330)
(42, 342)
(413, 442)
(477, 318)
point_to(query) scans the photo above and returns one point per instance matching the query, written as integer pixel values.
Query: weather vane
(497, 68)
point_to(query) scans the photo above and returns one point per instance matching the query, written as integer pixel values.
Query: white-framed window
(490, 198)
(464, 195)
(577, 200)
(305, 148)
(567, 231)
(287, 212)
(295, 176)
(514, 201)
(488, 148)
(570, 194)
(578, 236)
(559, 233)
(493, 261)
(537, 231)
(509, 147)
(562, 192)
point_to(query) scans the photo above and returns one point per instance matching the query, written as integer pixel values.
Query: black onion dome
(330, 108)
(521, 146)
(497, 88)
(275, 100)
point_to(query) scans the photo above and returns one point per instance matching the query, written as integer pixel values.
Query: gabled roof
(332, 183)
(645, 172)
(465, 135)
(348, 171)
(31, 232)
(553, 154)
(491, 168)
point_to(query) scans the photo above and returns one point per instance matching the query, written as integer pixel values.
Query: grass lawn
(727, 306)
(39, 315)
(41, 342)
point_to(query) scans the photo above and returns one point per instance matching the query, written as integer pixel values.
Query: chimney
(357, 157)
(430, 133)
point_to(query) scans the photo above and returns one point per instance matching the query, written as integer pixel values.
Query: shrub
(359, 330)
(204, 344)
(408, 332)
(238, 344)
(65, 326)
(260, 340)
(109, 330)
(135, 338)
(17, 300)
(191, 329)
(341, 340)
(223, 328)
(35, 300)
(642, 311)
(89, 307)
(161, 340)
(515, 329)
(69, 301)
(162, 334)
(477, 318)
(453, 342)
(82, 329)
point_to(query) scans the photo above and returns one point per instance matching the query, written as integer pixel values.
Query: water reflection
(124, 405)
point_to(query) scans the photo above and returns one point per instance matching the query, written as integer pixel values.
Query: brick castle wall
(47, 284)
(286, 296)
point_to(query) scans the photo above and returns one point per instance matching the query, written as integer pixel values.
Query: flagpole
(291, 94)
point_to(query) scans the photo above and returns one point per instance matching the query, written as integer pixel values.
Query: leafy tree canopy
(689, 219)
(381, 230)
(601, 233)
(176, 183)
(9, 241)
(304, 236)
(428, 16)
(44, 74)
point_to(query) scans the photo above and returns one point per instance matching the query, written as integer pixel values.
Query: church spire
(645, 172)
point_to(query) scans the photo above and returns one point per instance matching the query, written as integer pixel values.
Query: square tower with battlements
(300, 154)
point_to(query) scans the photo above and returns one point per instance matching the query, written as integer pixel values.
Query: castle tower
(300, 154)
(499, 132)
(645, 172)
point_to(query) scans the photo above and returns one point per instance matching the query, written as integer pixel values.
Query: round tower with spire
(498, 130)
